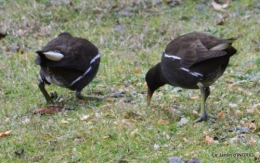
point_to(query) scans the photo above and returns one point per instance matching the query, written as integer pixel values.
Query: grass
(131, 37)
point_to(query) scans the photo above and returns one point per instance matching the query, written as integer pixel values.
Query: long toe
(205, 117)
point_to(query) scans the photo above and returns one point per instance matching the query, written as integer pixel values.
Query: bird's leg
(204, 95)
(80, 96)
(207, 92)
(90, 98)
(44, 92)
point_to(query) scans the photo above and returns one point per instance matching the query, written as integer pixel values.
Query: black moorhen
(69, 62)
(192, 61)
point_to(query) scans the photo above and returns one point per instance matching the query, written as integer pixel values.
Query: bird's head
(154, 80)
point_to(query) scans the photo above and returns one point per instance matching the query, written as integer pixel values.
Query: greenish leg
(44, 92)
(204, 95)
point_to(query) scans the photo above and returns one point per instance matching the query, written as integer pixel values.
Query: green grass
(127, 54)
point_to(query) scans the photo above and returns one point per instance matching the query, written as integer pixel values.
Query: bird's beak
(149, 96)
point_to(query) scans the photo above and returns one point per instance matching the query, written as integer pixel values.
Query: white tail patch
(172, 56)
(192, 73)
(54, 56)
(220, 47)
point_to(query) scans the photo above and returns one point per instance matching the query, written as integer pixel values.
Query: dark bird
(69, 62)
(192, 61)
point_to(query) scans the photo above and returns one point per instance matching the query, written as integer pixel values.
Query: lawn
(131, 36)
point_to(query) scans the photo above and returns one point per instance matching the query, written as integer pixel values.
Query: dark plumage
(69, 62)
(193, 61)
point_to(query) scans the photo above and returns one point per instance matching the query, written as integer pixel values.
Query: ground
(131, 36)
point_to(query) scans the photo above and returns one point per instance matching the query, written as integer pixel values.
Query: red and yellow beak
(149, 96)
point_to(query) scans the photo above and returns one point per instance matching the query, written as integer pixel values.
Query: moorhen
(192, 61)
(69, 62)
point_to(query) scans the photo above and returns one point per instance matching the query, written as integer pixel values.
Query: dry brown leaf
(6, 133)
(162, 122)
(220, 114)
(194, 98)
(126, 120)
(107, 106)
(145, 85)
(110, 99)
(252, 126)
(121, 126)
(132, 133)
(209, 140)
(252, 142)
(49, 110)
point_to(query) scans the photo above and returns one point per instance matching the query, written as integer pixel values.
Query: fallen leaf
(162, 122)
(145, 85)
(194, 98)
(209, 140)
(221, 114)
(107, 106)
(132, 133)
(252, 126)
(109, 99)
(49, 110)
(257, 154)
(126, 120)
(252, 142)
(121, 126)
(6, 133)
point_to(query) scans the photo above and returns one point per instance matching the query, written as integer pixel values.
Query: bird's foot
(205, 117)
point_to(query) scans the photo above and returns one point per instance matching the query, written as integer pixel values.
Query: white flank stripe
(95, 58)
(54, 56)
(80, 76)
(196, 74)
(192, 73)
(185, 69)
(172, 56)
